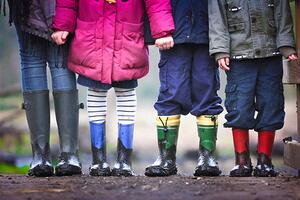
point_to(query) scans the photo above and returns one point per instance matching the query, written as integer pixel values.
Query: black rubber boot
(36, 105)
(67, 117)
(243, 166)
(123, 165)
(264, 167)
(207, 164)
(167, 136)
(124, 150)
(100, 166)
(207, 132)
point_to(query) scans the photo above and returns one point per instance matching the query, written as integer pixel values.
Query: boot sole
(41, 171)
(157, 171)
(208, 172)
(67, 170)
(119, 172)
(259, 173)
(100, 172)
(240, 174)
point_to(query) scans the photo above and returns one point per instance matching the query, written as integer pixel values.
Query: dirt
(14, 187)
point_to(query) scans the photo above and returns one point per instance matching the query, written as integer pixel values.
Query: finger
(65, 35)
(54, 36)
(164, 46)
(227, 61)
(172, 43)
(157, 43)
(219, 63)
(59, 40)
(292, 57)
(224, 65)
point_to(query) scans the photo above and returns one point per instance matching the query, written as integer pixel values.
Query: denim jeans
(36, 54)
(255, 85)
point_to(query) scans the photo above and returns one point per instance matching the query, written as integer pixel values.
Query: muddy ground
(14, 187)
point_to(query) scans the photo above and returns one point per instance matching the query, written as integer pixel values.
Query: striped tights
(125, 101)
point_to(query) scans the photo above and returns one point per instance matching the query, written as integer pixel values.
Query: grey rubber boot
(36, 106)
(67, 117)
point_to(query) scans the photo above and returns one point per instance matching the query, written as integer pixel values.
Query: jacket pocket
(236, 27)
(83, 47)
(134, 53)
(235, 11)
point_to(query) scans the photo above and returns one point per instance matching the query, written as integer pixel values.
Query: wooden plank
(291, 154)
(291, 72)
(292, 149)
(297, 18)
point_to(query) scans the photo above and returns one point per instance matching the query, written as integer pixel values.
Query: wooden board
(291, 72)
(292, 76)
(292, 154)
(297, 18)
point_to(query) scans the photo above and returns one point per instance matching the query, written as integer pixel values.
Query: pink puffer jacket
(108, 43)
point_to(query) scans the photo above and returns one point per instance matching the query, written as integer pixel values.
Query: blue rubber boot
(124, 148)
(100, 166)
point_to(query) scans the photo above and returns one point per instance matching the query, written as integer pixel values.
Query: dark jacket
(191, 22)
(33, 16)
(250, 29)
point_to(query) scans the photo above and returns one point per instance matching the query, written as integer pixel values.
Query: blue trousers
(189, 81)
(38, 53)
(255, 85)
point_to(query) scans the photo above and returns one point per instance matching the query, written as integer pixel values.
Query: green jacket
(248, 29)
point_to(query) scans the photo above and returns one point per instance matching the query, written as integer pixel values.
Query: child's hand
(224, 63)
(164, 43)
(292, 57)
(60, 37)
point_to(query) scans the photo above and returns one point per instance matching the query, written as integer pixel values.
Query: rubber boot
(124, 151)
(167, 135)
(67, 117)
(207, 131)
(243, 166)
(36, 105)
(100, 166)
(264, 167)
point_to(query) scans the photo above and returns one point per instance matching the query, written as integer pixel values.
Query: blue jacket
(191, 22)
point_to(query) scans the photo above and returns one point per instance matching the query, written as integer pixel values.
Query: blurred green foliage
(10, 169)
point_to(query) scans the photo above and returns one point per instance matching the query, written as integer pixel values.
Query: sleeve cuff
(218, 56)
(287, 51)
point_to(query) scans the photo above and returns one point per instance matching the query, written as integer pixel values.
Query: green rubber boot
(167, 135)
(207, 131)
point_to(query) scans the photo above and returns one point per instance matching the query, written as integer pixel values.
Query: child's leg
(243, 165)
(174, 99)
(270, 107)
(97, 107)
(240, 105)
(206, 106)
(126, 110)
